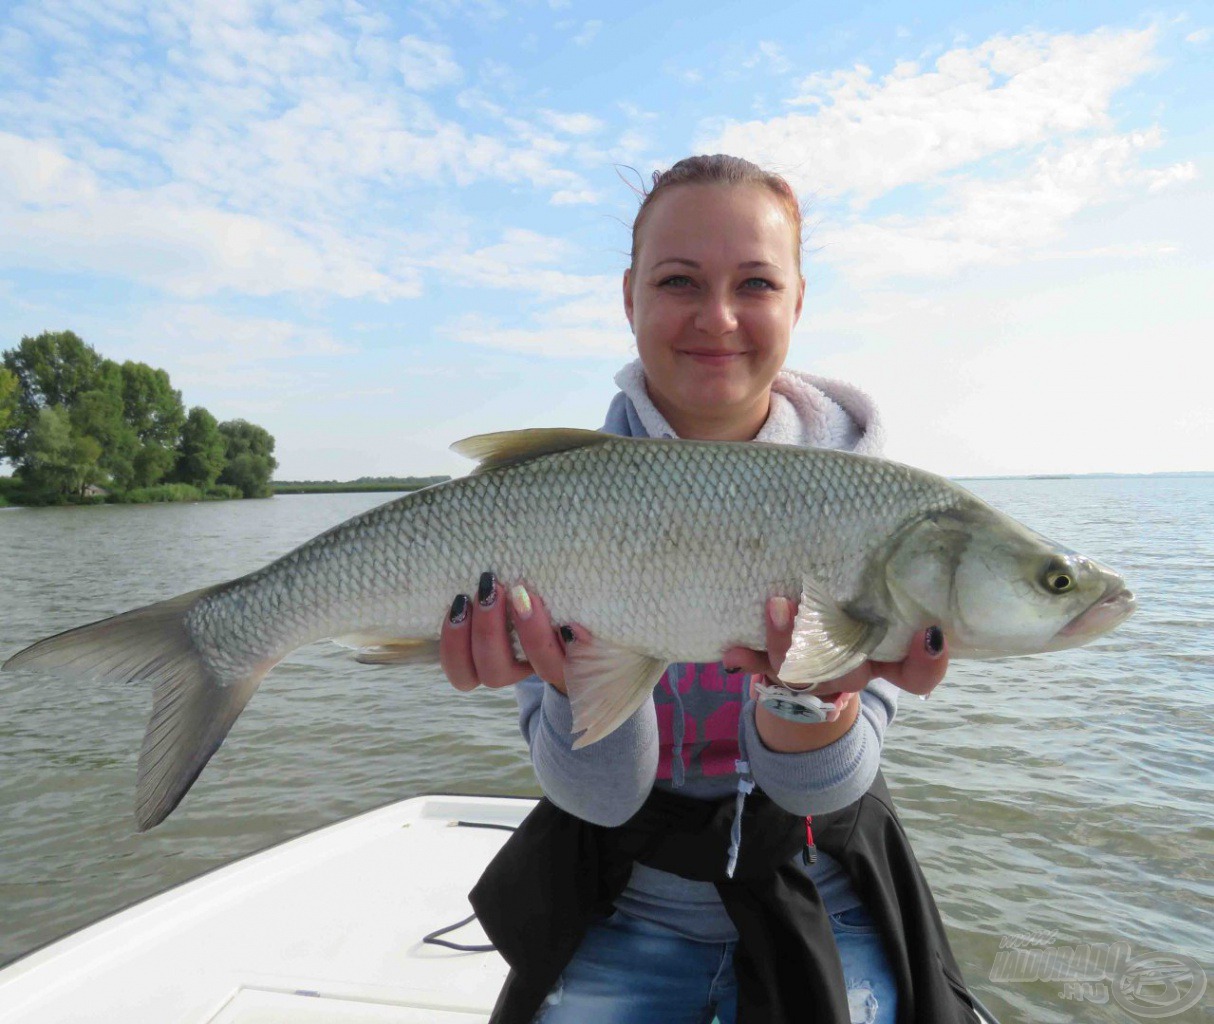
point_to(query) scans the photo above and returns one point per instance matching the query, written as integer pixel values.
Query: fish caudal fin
(606, 685)
(192, 706)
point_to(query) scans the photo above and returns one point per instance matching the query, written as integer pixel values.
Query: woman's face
(712, 299)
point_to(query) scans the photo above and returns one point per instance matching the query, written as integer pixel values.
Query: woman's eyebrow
(747, 265)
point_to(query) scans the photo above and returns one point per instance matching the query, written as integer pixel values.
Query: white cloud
(576, 197)
(427, 65)
(572, 124)
(997, 221)
(204, 348)
(770, 57)
(58, 217)
(589, 30)
(1202, 35)
(521, 260)
(868, 136)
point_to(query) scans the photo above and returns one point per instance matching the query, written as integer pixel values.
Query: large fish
(664, 550)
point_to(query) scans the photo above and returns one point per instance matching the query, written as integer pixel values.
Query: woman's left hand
(919, 672)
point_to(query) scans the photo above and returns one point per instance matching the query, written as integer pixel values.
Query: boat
(349, 924)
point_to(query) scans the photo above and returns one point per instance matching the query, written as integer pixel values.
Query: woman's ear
(628, 299)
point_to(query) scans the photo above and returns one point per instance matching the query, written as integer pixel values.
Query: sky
(378, 228)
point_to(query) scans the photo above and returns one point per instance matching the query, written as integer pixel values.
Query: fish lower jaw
(1106, 614)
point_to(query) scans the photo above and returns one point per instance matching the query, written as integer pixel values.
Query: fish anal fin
(510, 447)
(606, 685)
(827, 642)
(399, 652)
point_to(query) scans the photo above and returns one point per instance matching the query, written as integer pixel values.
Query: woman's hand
(475, 648)
(919, 672)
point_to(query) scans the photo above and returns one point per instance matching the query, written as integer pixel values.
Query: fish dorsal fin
(510, 447)
(826, 641)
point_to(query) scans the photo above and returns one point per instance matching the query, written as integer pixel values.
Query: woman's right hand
(474, 644)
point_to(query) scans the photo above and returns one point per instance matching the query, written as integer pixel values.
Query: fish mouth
(1113, 608)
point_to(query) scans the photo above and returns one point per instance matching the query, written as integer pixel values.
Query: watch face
(791, 705)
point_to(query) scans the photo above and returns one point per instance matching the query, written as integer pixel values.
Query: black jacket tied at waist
(558, 874)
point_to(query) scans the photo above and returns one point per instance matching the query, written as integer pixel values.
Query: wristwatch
(792, 705)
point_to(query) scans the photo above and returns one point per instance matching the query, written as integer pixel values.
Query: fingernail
(934, 641)
(459, 610)
(486, 593)
(731, 671)
(781, 612)
(520, 600)
(567, 634)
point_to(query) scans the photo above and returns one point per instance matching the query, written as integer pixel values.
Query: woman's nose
(716, 315)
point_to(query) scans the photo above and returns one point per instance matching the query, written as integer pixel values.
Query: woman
(712, 295)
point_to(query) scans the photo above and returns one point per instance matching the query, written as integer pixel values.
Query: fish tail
(193, 703)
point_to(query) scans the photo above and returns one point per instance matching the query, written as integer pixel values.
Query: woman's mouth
(710, 357)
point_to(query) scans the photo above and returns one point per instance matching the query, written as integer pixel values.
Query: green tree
(9, 393)
(202, 451)
(249, 455)
(153, 410)
(59, 462)
(98, 414)
(54, 368)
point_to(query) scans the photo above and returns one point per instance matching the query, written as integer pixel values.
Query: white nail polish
(520, 600)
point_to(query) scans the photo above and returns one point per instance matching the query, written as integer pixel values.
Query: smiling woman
(712, 294)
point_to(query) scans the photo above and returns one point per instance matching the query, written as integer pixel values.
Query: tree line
(73, 423)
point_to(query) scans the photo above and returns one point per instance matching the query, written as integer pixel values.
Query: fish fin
(510, 447)
(192, 706)
(827, 642)
(606, 685)
(399, 652)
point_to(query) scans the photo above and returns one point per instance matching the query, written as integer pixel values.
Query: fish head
(997, 588)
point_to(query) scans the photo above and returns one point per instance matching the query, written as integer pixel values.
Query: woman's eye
(758, 284)
(675, 281)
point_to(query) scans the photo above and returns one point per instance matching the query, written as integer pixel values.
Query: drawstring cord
(673, 675)
(746, 785)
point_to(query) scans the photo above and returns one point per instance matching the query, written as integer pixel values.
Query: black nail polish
(567, 634)
(486, 593)
(459, 610)
(934, 641)
(732, 671)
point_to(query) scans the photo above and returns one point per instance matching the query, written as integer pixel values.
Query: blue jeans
(629, 971)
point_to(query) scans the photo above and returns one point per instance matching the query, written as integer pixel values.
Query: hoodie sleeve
(825, 780)
(604, 783)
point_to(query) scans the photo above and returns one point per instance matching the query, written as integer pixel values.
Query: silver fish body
(664, 550)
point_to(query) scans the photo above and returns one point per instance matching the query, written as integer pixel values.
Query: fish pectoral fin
(827, 642)
(399, 652)
(606, 685)
(510, 447)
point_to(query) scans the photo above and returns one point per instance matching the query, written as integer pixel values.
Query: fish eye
(1059, 577)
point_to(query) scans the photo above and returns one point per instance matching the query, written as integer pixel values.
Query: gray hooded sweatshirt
(701, 721)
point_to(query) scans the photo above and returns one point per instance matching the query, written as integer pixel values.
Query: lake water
(1058, 800)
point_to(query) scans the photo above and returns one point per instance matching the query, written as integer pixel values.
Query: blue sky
(376, 229)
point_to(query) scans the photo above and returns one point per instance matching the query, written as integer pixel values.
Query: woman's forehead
(737, 223)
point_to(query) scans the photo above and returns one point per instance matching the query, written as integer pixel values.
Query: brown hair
(719, 169)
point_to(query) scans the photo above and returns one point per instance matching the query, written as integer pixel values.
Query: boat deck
(326, 927)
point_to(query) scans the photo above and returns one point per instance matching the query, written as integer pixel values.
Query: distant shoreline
(378, 484)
